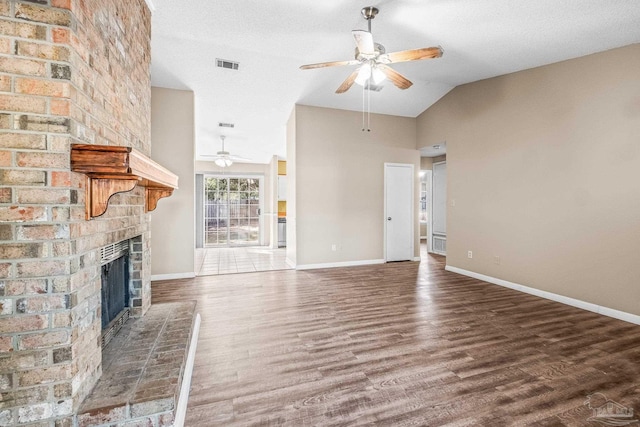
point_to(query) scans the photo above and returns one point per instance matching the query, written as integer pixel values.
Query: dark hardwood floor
(397, 344)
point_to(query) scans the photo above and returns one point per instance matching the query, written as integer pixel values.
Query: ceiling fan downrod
(369, 13)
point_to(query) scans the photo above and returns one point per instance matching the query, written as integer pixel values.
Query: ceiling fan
(374, 60)
(223, 158)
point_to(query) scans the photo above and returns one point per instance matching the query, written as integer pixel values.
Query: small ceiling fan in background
(374, 60)
(223, 158)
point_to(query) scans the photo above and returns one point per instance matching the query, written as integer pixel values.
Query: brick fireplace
(71, 72)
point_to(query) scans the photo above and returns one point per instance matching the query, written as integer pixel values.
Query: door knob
(388, 218)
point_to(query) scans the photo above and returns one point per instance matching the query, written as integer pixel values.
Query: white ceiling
(271, 39)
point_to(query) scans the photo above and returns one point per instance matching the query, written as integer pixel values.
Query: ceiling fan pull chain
(362, 108)
(369, 106)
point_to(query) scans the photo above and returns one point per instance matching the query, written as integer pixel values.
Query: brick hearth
(142, 370)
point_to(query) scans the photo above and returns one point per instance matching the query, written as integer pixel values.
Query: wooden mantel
(114, 169)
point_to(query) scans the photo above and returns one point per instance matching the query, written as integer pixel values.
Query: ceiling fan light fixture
(377, 76)
(364, 74)
(223, 163)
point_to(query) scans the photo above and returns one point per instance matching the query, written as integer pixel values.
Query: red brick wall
(71, 71)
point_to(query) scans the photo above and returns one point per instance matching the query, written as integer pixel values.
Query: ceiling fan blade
(414, 54)
(214, 157)
(364, 41)
(238, 159)
(396, 78)
(328, 64)
(346, 85)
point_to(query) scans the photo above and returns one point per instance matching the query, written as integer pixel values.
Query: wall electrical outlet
(469, 254)
(334, 247)
(453, 203)
(496, 260)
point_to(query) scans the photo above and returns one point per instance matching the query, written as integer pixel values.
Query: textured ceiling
(271, 39)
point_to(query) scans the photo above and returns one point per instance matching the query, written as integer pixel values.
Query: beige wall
(426, 163)
(173, 221)
(249, 169)
(235, 169)
(339, 174)
(292, 188)
(544, 168)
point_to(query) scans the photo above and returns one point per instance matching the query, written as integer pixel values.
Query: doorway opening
(232, 211)
(426, 208)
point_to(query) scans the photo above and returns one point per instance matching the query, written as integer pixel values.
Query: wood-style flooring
(394, 345)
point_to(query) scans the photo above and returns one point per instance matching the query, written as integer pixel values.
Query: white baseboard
(290, 263)
(173, 276)
(339, 264)
(183, 398)
(417, 258)
(605, 311)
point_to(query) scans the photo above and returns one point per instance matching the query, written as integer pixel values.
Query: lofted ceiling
(271, 39)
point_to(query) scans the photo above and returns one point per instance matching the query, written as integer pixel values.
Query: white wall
(173, 221)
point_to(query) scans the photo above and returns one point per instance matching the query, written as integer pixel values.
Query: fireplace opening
(115, 289)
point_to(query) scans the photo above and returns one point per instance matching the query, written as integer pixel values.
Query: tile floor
(212, 261)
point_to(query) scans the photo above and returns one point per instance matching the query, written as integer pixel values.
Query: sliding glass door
(231, 211)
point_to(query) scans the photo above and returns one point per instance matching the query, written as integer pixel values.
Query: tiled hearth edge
(146, 371)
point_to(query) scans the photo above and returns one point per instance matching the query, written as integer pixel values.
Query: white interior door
(399, 207)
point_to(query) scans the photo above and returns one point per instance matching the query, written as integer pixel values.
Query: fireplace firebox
(115, 289)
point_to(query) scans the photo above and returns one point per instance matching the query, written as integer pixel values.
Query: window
(231, 211)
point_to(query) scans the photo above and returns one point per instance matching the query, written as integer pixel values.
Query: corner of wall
(173, 145)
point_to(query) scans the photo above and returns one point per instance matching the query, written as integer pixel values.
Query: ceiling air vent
(226, 125)
(223, 63)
